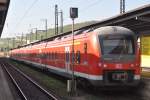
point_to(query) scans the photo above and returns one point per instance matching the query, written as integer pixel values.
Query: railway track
(95, 94)
(145, 69)
(26, 87)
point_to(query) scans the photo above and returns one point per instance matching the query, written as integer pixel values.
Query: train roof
(113, 30)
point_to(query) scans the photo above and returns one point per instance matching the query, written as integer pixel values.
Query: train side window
(35, 54)
(78, 57)
(53, 55)
(40, 55)
(56, 55)
(45, 55)
(85, 47)
(67, 56)
(50, 55)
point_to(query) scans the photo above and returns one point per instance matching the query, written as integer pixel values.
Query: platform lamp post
(46, 29)
(73, 15)
(35, 33)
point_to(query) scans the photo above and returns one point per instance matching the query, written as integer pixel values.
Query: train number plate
(119, 76)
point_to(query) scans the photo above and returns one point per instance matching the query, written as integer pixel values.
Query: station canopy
(137, 20)
(4, 4)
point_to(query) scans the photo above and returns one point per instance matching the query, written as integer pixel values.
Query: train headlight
(99, 64)
(105, 65)
(137, 64)
(132, 65)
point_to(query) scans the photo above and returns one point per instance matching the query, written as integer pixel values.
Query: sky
(23, 15)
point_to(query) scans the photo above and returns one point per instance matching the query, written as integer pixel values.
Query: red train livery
(106, 56)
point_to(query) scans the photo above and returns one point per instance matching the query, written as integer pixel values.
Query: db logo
(119, 66)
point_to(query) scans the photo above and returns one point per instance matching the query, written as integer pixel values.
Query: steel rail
(146, 78)
(23, 97)
(145, 69)
(33, 82)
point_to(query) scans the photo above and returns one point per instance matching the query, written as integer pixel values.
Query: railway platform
(5, 92)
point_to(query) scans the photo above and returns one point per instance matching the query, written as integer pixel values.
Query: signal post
(72, 88)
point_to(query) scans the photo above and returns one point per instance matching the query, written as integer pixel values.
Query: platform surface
(5, 93)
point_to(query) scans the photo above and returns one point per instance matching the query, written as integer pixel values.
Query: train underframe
(118, 78)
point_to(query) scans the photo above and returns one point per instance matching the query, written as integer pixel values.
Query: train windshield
(116, 45)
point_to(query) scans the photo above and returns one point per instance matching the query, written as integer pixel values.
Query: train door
(67, 58)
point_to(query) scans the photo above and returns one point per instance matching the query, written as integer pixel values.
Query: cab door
(67, 58)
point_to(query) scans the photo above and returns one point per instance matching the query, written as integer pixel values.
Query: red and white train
(106, 56)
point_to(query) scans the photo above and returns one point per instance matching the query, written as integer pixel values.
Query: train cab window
(78, 57)
(118, 45)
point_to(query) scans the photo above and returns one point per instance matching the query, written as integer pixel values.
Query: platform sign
(145, 51)
(145, 45)
(73, 12)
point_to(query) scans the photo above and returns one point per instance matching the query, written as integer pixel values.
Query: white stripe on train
(91, 77)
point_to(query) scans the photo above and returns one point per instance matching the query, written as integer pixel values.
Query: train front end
(119, 58)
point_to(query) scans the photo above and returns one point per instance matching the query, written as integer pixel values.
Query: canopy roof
(137, 20)
(4, 4)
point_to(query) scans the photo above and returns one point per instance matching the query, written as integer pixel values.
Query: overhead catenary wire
(25, 14)
(83, 10)
(90, 5)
